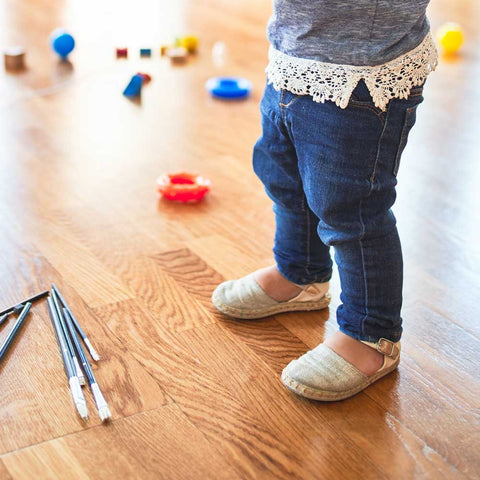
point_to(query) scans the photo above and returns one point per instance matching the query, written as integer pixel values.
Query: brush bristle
(82, 410)
(78, 397)
(104, 413)
(92, 351)
(102, 406)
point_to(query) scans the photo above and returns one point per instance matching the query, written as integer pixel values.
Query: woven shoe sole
(326, 396)
(282, 307)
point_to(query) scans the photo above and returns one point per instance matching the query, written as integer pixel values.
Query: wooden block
(163, 49)
(122, 52)
(14, 58)
(145, 52)
(177, 55)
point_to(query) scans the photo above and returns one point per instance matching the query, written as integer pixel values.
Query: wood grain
(193, 393)
(147, 445)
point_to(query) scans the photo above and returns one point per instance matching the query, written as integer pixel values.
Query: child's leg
(300, 255)
(348, 161)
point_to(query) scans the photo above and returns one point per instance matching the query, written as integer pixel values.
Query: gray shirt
(356, 32)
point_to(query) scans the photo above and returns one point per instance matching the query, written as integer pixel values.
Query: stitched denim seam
(403, 139)
(362, 223)
(371, 108)
(286, 105)
(365, 283)
(372, 178)
(291, 102)
(309, 259)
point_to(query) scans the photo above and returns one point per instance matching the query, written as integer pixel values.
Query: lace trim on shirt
(335, 82)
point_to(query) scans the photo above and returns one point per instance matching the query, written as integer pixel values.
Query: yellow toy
(450, 37)
(190, 43)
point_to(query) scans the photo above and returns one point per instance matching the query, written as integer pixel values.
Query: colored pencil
(102, 406)
(85, 339)
(73, 381)
(8, 341)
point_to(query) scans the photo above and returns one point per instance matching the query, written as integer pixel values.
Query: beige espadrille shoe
(244, 298)
(322, 374)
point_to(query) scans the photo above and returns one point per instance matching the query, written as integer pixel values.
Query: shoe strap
(385, 347)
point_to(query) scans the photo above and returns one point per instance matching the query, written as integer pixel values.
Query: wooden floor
(193, 394)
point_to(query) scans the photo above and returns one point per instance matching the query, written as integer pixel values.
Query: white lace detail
(335, 82)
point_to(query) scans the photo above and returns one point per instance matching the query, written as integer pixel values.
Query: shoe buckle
(381, 347)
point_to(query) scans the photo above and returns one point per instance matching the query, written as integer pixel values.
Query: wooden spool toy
(14, 58)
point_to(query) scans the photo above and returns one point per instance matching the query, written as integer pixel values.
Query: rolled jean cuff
(300, 277)
(392, 336)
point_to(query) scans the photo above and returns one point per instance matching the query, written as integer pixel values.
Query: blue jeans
(331, 174)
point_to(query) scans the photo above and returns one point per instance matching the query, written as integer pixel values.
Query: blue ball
(62, 42)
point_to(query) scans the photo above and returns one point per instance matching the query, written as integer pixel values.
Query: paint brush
(75, 387)
(81, 377)
(102, 406)
(8, 341)
(19, 306)
(3, 318)
(85, 339)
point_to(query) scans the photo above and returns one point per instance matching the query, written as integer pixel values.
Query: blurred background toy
(450, 37)
(219, 53)
(122, 52)
(62, 43)
(14, 58)
(190, 43)
(177, 54)
(229, 87)
(183, 187)
(134, 87)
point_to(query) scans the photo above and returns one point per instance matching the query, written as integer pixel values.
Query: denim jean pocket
(365, 102)
(410, 117)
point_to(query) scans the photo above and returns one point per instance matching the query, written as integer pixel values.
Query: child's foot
(340, 367)
(266, 292)
(275, 285)
(361, 356)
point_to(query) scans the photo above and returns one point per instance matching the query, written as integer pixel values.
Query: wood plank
(147, 445)
(78, 206)
(35, 401)
(240, 436)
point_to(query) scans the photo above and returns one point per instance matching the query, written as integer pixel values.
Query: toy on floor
(145, 52)
(177, 55)
(219, 53)
(145, 77)
(190, 43)
(450, 37)
(62, 43)
(134, 87)
(229, 87)
(183, 187)
(122, 52)
(14, 58)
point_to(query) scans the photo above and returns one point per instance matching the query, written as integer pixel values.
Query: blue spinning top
(229, 87)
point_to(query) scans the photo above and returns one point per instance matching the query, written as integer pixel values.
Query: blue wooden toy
(229, 87)
(134, 88)
(145, 52)
(62, 42)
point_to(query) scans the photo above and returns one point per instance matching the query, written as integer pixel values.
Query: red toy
(145, 76)
(183, 186)
(122, 52)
